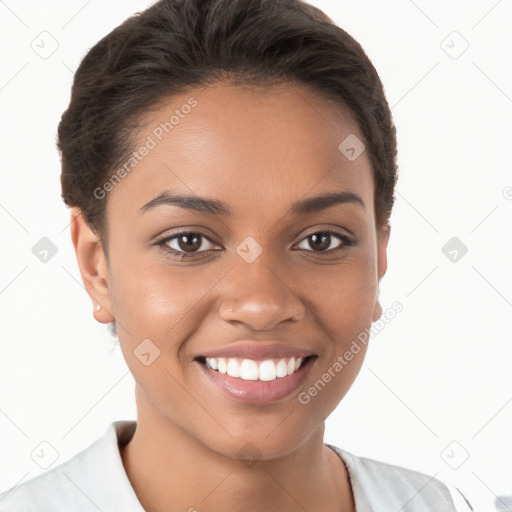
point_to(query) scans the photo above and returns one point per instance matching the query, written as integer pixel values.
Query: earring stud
(98, 307)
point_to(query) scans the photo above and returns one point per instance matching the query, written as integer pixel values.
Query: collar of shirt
(95, 479)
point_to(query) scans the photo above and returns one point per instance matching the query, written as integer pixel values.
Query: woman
(230, 165)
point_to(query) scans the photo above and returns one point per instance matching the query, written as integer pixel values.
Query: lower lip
(257, 392)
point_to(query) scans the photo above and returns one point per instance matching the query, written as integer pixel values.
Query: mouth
(266, 370)
(256, 381)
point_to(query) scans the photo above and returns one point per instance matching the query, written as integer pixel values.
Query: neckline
(351, 477)
(125, 429)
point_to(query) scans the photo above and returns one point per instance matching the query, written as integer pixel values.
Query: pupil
(192, 242)
(321, 242)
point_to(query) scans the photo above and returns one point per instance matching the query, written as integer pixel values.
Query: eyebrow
(215, 207)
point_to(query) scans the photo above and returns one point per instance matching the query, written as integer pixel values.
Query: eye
(321, 242)
(186, 243)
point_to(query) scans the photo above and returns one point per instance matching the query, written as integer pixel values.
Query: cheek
(159, 301)
(147, 301)
(343, 295)
(343, 301)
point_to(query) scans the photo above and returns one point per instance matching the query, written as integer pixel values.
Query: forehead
(248, 146)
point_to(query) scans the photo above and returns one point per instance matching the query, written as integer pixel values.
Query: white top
(95, 480)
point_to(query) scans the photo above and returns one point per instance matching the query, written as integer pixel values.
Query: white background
(439, 372)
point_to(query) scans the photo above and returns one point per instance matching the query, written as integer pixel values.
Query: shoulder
(53, 490)
(94, 479)
(376, 482)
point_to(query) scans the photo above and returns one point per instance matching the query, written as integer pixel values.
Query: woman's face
(256, 278)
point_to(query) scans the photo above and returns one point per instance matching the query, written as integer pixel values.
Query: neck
(170, 470)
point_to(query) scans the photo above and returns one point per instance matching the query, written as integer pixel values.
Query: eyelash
(162, 243)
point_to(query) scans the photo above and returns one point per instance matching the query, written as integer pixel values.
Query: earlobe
(382, 264)
(382, 247)
(377, 311)
(93, 266)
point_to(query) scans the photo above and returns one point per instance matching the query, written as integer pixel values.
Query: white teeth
(267, 370)
(248, 369)
(233, 368)
(291, 365)
(281, 368)
(223, 367)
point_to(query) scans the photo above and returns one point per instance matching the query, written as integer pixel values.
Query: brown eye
(189, 242)
(322, 242)
(186, 243)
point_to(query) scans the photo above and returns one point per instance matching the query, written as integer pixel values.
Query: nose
(258, 297)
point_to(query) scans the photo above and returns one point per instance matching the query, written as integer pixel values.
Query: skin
(259, 152)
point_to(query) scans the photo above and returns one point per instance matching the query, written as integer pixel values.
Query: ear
(382, 263)
(93, 266)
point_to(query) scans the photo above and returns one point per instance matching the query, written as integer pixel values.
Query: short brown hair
(179, 44)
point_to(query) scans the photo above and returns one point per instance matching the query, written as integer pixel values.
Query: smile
(256, 382)
(249, 369)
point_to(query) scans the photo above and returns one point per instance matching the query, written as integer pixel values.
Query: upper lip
(257, 349)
